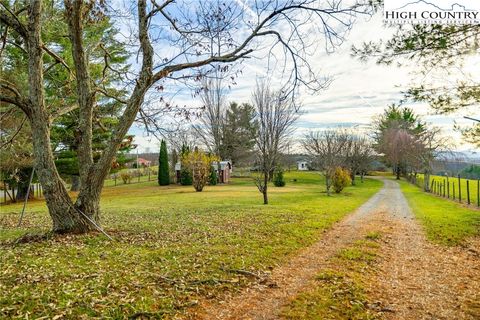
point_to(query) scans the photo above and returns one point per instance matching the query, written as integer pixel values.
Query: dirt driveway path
(415, 279)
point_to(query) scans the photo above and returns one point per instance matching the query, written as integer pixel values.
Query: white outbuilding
(302, 165)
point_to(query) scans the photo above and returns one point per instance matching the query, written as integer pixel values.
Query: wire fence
(454, 188)
(8, 193)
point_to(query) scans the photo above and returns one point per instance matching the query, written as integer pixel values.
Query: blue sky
(358, 91)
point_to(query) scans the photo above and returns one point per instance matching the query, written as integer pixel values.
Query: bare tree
(275, 116)
(327, 150)
(210, 128)
(426, 149)
(359, 155)
(181, 137)
(198, 36)
(396, 145)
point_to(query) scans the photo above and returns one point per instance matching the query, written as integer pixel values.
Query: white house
(302, 165)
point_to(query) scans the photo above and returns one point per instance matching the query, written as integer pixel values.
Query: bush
(126, 177)
(340, 179)
(200, 165)
(278, 180)
(186, 177)
(213, 180)
(472, 172)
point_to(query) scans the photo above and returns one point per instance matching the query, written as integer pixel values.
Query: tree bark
(426, 182)
(86, 99)
(64, 216)
(265, 188)
(22, 192)
(23, 184)
(327, 181)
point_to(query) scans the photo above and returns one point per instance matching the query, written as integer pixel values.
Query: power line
(473, 119)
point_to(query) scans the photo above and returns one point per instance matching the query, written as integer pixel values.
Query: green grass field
(453, 184)
(172, 247)
(444, 221)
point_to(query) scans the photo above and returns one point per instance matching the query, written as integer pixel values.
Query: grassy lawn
(445, 221)
(173, 247)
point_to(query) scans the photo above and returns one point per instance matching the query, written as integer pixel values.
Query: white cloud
(358, 92)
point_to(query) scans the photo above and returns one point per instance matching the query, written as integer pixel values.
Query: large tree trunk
(23, 184)
(64, 216)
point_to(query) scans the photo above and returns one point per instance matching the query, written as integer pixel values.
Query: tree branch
(12, 21)
(16, 99)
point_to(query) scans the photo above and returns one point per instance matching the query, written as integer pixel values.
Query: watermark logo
(432, 11)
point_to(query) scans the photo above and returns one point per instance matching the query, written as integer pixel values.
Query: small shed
(302, 165)
(178, 168)
(224, 171)
(223, 168)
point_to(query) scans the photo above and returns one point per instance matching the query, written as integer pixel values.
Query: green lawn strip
(339, 291)
(173, 247)
(444, 221)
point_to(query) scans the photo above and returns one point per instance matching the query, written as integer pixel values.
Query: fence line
(137, 176)
(454, 188)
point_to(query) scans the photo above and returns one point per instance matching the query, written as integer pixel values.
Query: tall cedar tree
(163, 169)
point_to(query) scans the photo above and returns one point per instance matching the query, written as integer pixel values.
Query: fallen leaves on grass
(338, 292)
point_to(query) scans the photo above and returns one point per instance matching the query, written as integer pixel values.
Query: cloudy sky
(357, 93)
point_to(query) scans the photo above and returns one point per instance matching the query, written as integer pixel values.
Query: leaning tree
(174, 41)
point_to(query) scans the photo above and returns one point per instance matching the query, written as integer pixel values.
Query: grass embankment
(339, 291)
(444, 221)
(173, 247)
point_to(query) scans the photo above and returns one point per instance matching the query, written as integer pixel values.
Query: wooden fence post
(478, 193)
(468, 191)
(453, 186)
(459, 189)
(448, 190)
(431, 186)
(444, 188)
